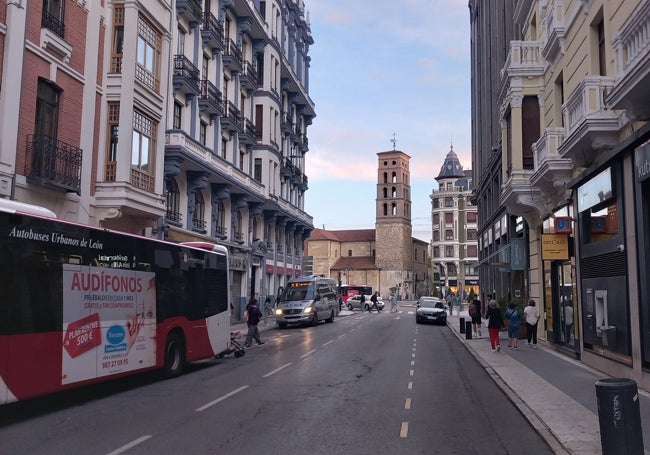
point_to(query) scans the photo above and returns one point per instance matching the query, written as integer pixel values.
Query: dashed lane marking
(270, 373)
(306, 354)
(130, 445)
(220, 399)
(407, 404)
(404, 431)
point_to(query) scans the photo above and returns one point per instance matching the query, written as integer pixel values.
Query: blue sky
(380, 67)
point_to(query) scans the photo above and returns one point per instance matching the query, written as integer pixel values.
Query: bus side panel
(204, 338)
(35, 361)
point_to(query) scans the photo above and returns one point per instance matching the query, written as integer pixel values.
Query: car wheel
(331, 318)
(314, 320)
(350, 306)
(282, 325)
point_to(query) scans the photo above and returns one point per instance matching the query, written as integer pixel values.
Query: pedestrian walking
(531, 315)
(475, 314)
(253, 316)
(362, 301)
(374, 298)
(393, 302)
(495, 324)
(514, 321)
(450, 303)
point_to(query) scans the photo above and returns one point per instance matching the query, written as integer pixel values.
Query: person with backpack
(514, 320)
(252, 317)
(475, 314)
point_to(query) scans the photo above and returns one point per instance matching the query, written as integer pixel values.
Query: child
(514, 320)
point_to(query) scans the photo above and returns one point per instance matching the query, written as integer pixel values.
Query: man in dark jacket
(374, 300)
(254, 316)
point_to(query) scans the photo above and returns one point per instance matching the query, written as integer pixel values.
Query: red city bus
(348, 291)
(81, 304)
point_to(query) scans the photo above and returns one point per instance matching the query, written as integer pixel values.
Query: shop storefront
(560, 284)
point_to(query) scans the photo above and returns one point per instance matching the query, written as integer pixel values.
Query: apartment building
(454, 232)
(183, 119)
(560, 148)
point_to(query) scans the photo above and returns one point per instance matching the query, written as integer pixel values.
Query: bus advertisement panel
(109, 322)
(81, 304)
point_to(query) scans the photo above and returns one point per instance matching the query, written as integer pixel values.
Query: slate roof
(354, 235)
(451, 168)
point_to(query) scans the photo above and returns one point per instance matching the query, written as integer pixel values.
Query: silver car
(354, 302)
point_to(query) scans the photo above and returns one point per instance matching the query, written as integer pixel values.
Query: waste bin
(619, 416)
(462, 325)
(468, 330)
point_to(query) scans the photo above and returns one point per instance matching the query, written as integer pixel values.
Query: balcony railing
(53, 23)
(190, 10)
(238, 237)
(199, 225)
(221, 231)
(587, 101)
(248, 75)
(212, 32)
(53, 162)
(232, 55)
(554, 29)
(175, 218)
(186, 75)
(545, 149)
(230, 118)
(142, 180)
(524, 59)
(210, 98)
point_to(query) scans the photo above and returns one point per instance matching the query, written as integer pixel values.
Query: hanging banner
(518, 254)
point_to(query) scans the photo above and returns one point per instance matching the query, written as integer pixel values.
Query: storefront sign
(563, 225)
(555, 247)
(642, 162)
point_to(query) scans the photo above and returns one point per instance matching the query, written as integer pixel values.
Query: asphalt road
(365, 384)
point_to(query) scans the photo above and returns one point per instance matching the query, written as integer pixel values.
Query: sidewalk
(555, 393)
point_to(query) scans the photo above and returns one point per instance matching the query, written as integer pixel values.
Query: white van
(307, 299)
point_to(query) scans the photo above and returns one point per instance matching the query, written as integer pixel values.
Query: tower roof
(451, 168)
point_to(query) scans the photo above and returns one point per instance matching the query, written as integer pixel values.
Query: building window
(436, 218)
(451, 267)
(436, 235)
(242, 156)
(172, 198)
(472, 251)
(449, 234)
(142, 151)
(148, 54)
(220, 221)
(385, 209)
(449, 202)
(53, 16)
(257, 172)
(118, 38)
(224, 147)
(349, 252)
(449, 218)
(449, 252)
(471, 217)
(203, 128)
(178, 118)
(198, 220)
(471, 234)
(436, 251)
(393, 192)
(113, 139)
(394, 209)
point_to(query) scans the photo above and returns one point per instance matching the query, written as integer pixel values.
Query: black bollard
(462, 325)
(619, 416)
(468, 330)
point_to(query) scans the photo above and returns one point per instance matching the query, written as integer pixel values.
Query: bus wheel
(174, 355)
